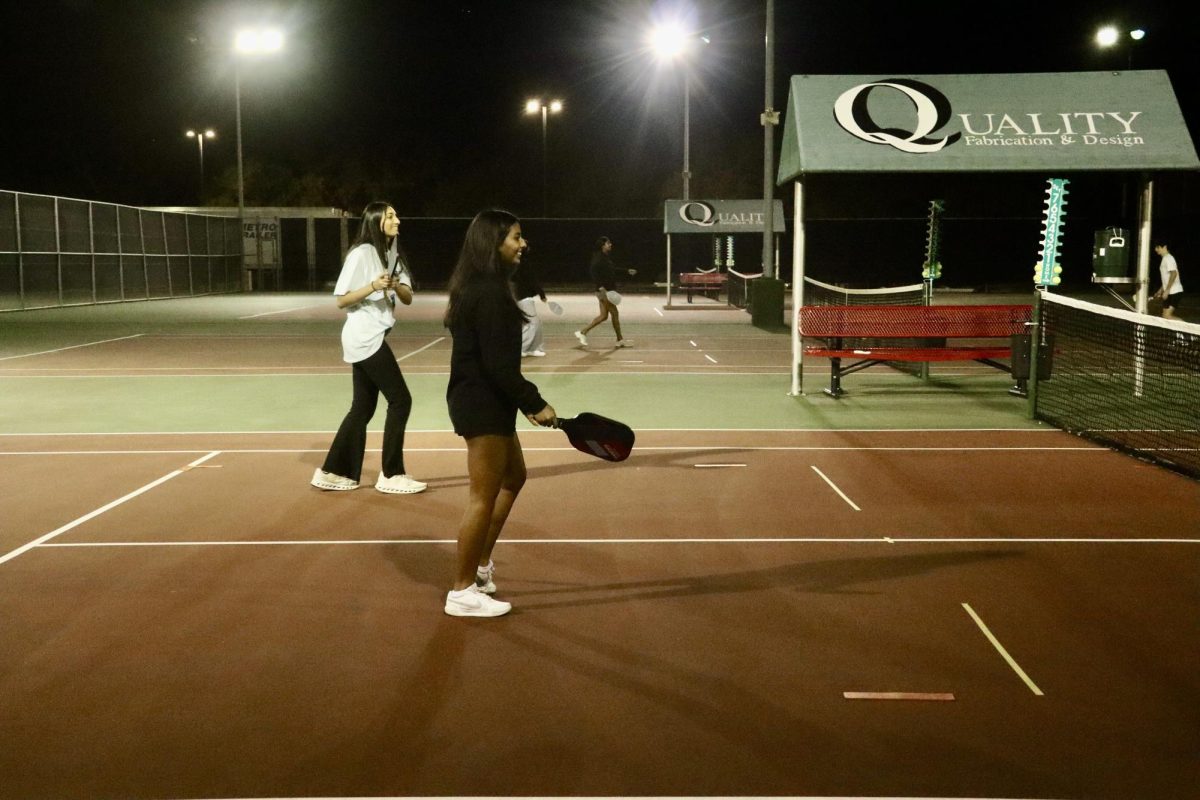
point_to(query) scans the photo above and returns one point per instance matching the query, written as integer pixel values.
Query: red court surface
(184, 617)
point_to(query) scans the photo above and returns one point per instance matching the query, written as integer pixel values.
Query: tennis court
(911, 591)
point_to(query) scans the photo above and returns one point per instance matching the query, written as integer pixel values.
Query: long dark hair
(479, 259)
(371, 231)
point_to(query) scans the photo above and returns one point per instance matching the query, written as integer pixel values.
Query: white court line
(283, 311)
(888, 540)
(647, 430)
(72, 347)
(43, 539)
(716, 466)
(836, 489)
(1000, 648)
(710, 358)
(422, 349)
(658, 311)
(531, 449)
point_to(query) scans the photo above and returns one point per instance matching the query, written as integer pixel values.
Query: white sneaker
(624, 343)
(331, 482)
(538, 354)
(399, 484)
(582, 339)
(526, 355)
(471, 602)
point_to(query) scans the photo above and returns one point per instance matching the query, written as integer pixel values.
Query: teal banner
(1032, 122)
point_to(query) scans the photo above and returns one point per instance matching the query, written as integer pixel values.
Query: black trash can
(1110, 256)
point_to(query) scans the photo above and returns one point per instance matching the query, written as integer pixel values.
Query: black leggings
(374, 374)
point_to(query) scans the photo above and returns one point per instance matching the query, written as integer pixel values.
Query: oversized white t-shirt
(1165, 268)
(368, 320)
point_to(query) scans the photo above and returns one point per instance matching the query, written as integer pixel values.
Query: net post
(1035, 333)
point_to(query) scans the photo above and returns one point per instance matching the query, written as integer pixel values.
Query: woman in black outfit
(604, 276)
(485, 391)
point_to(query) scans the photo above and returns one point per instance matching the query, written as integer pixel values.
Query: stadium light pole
(248, 43)
(208, 133)
(671, 42)
(533, 106)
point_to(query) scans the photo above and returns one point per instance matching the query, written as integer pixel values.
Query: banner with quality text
(1044, 122)
(721, 216)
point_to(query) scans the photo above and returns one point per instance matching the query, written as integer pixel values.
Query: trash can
(1021, 346)
(1110, 257)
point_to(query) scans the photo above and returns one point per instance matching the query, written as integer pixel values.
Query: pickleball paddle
(598, 436)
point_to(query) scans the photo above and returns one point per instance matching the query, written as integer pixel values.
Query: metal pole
(687, 170)
(768, 123)
(797, 289)
(1145, 210)
(1035, 336)
(544, 160)
(200, 141)
(237, 101)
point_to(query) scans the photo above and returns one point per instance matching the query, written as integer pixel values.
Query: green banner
(1043, 122)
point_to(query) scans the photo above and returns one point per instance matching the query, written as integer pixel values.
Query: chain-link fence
(56, 251)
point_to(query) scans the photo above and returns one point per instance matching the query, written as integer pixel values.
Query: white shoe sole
(333, 487)
(400, 491)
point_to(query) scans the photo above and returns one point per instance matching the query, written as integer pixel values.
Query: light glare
(258, 40)
(533, 106)
(555, 106)
(1106, 36)
(668, 41)
(1137, 34)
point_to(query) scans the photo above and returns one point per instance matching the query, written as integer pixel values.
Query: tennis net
(823, 294)
(740, 287)
(1124, 379)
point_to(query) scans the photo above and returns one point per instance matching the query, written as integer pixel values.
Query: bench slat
(913, 354)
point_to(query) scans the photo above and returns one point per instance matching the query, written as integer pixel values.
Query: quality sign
(1056, 122)
(720, 216)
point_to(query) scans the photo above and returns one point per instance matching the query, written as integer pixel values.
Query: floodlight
(533, 106)
(1106, 36)
(555, 106)
(1137, 34)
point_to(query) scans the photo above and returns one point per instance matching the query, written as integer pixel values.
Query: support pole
(797, 289)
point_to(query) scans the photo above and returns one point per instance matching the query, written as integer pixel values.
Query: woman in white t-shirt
(374, 275)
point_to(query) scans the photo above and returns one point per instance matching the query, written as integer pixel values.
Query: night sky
(422, 102)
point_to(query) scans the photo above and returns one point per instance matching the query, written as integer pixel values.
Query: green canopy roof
(1031, 122)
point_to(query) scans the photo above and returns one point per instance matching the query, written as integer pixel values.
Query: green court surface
(273, 362)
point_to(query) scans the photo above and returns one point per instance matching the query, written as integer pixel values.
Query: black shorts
(1172, 300)
(474, 411)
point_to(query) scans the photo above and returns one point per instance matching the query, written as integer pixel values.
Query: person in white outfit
(373, 277)
(527, 288)
(1171, 292)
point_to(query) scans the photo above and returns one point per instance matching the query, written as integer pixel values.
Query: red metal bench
(706, 283)
(930, 325)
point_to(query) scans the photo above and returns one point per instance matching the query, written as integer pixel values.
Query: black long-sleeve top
(486, 386)
(604, 275)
